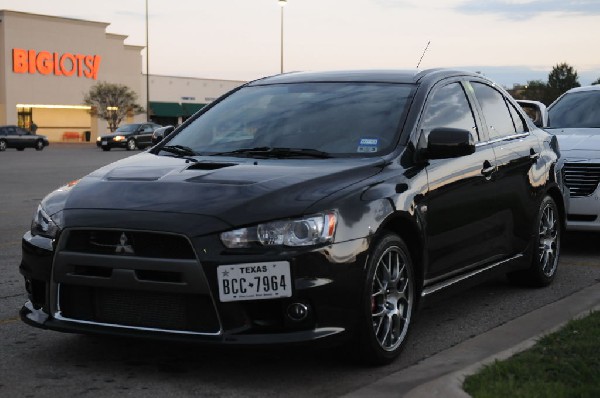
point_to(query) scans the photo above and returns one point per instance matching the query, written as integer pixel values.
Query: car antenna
(422, 55)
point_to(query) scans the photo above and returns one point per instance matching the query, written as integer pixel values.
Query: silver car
(575, 120)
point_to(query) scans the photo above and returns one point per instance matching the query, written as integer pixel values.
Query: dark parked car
(303, 207)
(16, 137)
(128, 136)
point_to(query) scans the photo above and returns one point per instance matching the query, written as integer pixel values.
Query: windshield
(127, 128)
(578, 109)
(334, 118)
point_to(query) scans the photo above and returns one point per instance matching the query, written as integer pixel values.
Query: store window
(24, 118)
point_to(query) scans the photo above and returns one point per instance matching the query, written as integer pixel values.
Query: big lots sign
(46, 63)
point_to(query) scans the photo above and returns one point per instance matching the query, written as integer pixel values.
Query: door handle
(488, 170)
(533, 155)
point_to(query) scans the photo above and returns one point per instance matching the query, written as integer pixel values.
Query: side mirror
(160, 133)
(536, 111)
(445, 143)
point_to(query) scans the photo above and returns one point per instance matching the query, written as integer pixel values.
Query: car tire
(106, 148)
(546, 248)
(39, 145)
(3, 145)
(131, 144)
(388, 301)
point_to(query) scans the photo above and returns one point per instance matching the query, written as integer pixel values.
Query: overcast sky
(510, 41)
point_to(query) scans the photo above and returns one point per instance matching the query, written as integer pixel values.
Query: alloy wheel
(391, 298)
(549, 236)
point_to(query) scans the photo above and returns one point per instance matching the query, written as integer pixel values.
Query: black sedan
(16, 137)
(303, 207)
(128, 136)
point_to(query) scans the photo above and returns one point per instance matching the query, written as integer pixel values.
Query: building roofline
(196, 78)
(116, 36)
(133, 47)
(30, 14)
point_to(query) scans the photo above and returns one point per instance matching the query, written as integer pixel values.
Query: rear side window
(495, 111)
(449, 107)
(517, 120)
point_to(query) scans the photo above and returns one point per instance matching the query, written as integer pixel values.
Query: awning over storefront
(189, 109)
(168, 109)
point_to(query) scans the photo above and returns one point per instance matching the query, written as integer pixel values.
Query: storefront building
(47, 64)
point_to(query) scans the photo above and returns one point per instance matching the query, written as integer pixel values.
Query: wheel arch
(557, 196)
(406, 227)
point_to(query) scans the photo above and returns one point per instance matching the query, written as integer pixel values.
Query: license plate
(255, 281)
(104, 143)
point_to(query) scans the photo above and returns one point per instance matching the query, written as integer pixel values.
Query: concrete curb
(451, 385)
(442, 375)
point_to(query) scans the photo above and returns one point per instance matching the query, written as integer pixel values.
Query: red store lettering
(45, 63)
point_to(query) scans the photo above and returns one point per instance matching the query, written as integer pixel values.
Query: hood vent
(210, 165)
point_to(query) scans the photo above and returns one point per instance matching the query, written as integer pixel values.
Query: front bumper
(111, 144)
(178, 299)
(584, 213)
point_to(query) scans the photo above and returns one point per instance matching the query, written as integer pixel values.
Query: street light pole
(147, 69)
(282, 3)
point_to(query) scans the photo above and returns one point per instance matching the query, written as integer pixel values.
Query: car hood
(237, 191)
(578, 143)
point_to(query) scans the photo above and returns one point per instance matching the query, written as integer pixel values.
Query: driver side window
(448, 107)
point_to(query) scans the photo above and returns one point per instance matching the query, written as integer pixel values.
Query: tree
(112, 102)
(561, 78)
(535, 90)
(596, 82)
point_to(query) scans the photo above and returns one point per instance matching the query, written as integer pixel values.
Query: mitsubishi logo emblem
(123, 246)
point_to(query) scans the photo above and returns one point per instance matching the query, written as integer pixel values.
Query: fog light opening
(297, 312)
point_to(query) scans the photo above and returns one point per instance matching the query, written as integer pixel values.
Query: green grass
(562, 364)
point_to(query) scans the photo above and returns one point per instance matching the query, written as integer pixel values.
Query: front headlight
(119, 138)
(306, 231)
(43, 224)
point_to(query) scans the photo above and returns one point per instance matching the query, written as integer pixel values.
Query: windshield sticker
(367, 145)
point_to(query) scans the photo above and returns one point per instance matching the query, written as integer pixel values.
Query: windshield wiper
(277, 152)
(260, 150)
(181, 151)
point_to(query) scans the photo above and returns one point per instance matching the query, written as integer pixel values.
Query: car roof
(595, 87)
(374, 76)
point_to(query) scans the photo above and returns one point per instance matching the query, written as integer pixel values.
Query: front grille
(143, 309)
(130, 243)
(582, 178)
